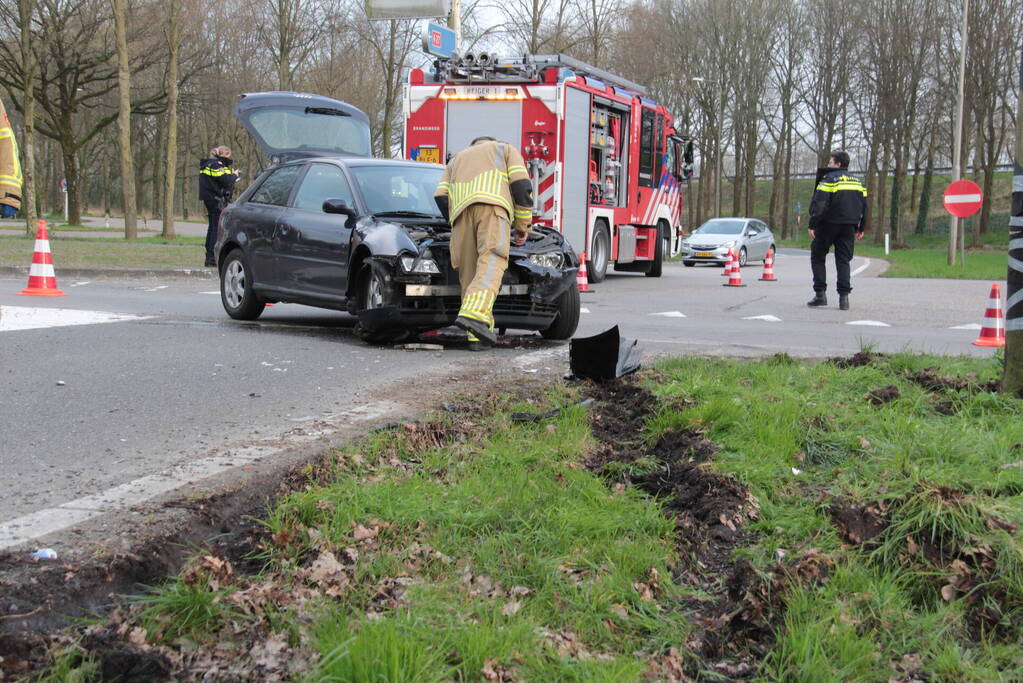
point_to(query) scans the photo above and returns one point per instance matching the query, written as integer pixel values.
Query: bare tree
(26, 9)
(124, 120)
(174, 19)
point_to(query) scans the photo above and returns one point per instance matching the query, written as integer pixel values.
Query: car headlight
(685, 244)
(424, 265)
(727, 245)
(548, 259)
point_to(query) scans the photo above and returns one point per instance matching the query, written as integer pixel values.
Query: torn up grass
(849, 520)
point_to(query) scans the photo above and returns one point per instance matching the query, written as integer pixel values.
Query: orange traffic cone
(736, 278)
(768, 275)
(992, 331)
(581, 278)
(729, 260)
(41, 279)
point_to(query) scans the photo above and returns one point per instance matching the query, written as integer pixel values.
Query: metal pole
(953, 228)
(455, 23)
(721, 139)
(1012, 378)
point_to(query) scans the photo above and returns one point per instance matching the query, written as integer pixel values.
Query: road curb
(122, 273)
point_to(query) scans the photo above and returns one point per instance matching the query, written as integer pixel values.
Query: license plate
(429, 155)
(704, 254)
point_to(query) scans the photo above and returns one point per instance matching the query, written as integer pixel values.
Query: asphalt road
(87, 407)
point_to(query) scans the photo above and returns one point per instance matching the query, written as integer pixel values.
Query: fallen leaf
(619, 610)
(948, 592)
(361, 533)
(511, 608)
(864, 444)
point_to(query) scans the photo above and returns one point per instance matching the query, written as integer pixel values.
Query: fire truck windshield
(399, 189)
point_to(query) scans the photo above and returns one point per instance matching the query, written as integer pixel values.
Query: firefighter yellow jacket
(10, 167)
(488, 173)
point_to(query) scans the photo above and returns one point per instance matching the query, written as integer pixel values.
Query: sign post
(63, 188)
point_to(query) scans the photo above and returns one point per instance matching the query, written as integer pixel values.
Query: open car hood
(293, 125)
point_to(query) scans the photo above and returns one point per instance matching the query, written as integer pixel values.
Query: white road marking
(34, 525)
(868, 323)
(970, 326)
(866, 264)
(79, 284)
(671, 314)
(209, 292)
(156, 289)
(24, 318)
(766, 318)
(584, 310)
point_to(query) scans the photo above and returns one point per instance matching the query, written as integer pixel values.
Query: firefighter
(486, 195)
(216, 182)
(10, 169)
(838, 211)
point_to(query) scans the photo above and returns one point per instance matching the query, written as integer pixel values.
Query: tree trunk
(923, 210)
(28, 168)
(171, 145)
(124, 122)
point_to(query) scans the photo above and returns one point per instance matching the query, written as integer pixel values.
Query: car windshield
(395, 188)
(721, 227)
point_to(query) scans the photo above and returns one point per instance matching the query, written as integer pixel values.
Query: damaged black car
(327, 225)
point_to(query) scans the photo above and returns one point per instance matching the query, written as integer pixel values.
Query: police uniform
(837, 213)
(216, 182)
(10, 167)
(484, 193)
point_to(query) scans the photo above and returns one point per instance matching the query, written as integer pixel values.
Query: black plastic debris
(603, 356)
(546, 415)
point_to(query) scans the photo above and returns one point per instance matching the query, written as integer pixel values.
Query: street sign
(406, 9)
(963, 198)
(438, 40)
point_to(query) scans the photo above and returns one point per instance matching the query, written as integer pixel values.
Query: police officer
(10, 169)
(838, 211)
(486, 195)
(216, 182)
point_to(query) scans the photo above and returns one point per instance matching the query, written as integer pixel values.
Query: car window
(322, 181)
(406, 187)
(753, 228)
(721, 226)
(277, 187)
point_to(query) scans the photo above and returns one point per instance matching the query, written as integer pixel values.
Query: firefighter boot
(819, 299)
(478, 329)
(843, 302)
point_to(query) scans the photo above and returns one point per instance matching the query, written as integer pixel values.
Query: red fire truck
(606, 163)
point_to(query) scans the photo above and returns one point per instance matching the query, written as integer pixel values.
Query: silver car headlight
(423, 265)
(727, 245)
(548, 259)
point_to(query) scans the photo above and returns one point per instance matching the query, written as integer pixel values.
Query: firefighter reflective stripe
(520, 171)
(13, 178)
(523, 214)
(479, 305)
(843, 183)
(215, 172)
(486, 188)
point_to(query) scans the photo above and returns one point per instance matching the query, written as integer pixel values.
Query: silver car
(749, 238)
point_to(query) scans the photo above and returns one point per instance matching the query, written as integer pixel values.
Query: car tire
(567, 320)
(688, 264)
(600, 252)
(742, 257)
(372, 291)
(657, 266)
(236, 293)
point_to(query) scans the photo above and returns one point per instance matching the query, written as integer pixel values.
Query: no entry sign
(963, 198)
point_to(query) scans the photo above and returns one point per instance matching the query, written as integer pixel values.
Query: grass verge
(881, 500)
(76, 252)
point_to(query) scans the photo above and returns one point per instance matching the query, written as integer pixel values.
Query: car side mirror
(338, 206)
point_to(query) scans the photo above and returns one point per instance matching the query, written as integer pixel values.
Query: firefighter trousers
(480, 239)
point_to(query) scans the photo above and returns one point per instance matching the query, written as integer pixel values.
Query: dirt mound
(857, 360)
(858, 524)
(883, 395)
(930, 380)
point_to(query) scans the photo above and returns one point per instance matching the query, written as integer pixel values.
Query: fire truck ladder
(482, 67)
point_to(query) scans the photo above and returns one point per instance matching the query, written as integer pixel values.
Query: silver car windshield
(721, 227)
(399, 188)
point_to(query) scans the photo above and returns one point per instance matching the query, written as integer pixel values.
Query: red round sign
(963, 198)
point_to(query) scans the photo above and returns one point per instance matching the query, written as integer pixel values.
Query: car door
(257, 219)
(754, 242)
(313, 247)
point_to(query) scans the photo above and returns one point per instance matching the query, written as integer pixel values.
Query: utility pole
(721, 139)
(455, 22)
(1012, 377)
(957, 145)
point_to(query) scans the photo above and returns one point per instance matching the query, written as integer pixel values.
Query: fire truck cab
(606, 163)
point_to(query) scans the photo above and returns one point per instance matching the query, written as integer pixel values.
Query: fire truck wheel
(567, 321)
(600, 252)
(656, 266)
